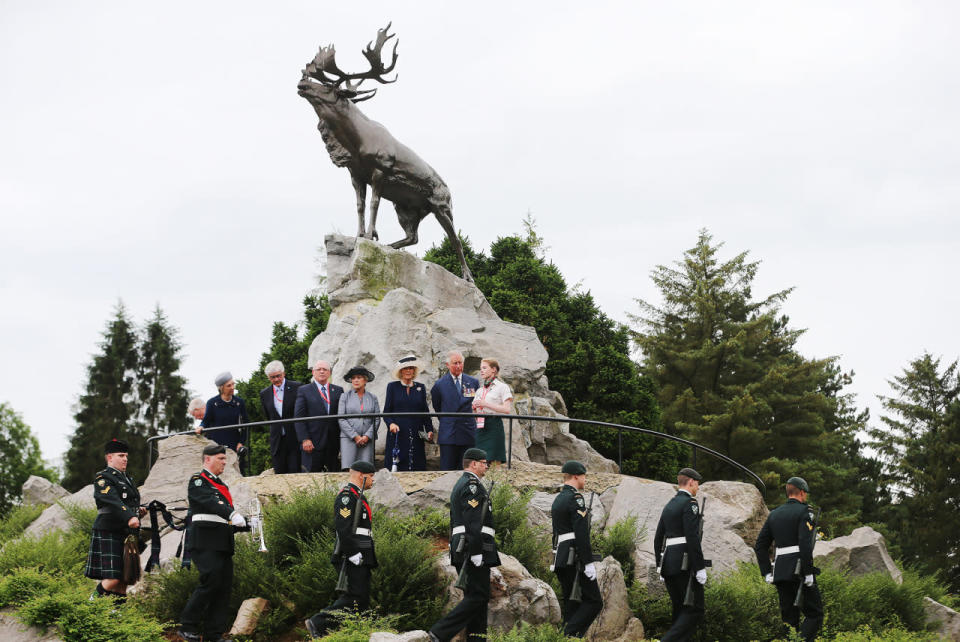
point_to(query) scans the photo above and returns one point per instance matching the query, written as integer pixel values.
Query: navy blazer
(270, 411)
(310, 404)
(459, 431)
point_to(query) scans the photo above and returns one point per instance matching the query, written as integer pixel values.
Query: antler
(324, 67)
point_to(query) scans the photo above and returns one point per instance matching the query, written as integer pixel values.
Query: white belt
(489, 531)
(565, 537)
(462, 529)
(207, 517)
(787, 550)
(675, 541)
(363, 531)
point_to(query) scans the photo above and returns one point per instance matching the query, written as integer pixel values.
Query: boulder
(37, 490)
(56, 518)
(249, 614)
(515, 595)
(734, 506)
(944, 620)
(13, 630)
(544, 502)
(616, 613)
(388, 493)
(169, 541)
(861, 552)
(409, 636)
(633, 631)
(436, 494)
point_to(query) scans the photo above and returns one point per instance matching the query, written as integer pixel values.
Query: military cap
(691, 473)
(115, 446)
(799, 482)
(573, 467)
(222, 378)
(214, 449)
(475, 454)
(362, 466)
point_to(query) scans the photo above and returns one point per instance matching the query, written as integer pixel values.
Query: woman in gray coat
(358, 437)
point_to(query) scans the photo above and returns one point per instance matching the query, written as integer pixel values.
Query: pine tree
(108, 406)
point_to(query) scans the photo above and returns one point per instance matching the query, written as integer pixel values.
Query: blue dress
(225, 413)
(399, 398)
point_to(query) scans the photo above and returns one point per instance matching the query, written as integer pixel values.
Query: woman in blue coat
(226, 409)
(407, 435)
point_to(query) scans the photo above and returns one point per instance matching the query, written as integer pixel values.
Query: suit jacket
(270, 411)
(680, 519)
(460, 431)
(310, 404)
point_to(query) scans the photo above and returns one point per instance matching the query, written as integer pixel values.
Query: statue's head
(324, 83)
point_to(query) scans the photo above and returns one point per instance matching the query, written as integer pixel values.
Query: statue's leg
(376, 182)
(445, 217)
(361, 190)
(410, 222)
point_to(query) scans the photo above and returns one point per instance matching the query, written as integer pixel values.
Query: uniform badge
(473, 488)
(473, 503)
(582, 513)
(345, 500)
(100, 482)
(809, 526)
(219, 501)
(106, 489)
(197, 482)
(695, 508)
(124, 495)
(580, 501)
(345, 512)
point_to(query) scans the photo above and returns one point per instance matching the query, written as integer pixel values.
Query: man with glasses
(472, 544)
(279, 401)
(319, 439)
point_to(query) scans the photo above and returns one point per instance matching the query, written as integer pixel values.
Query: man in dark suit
(320, 438)
(454, 392)
(279, 400)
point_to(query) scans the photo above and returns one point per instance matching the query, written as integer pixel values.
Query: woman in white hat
(405, 440)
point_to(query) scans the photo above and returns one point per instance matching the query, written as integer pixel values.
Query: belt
(787, 550)
(675, 541)
(363, 531)
(104, 511)
(208, 517)
(565, 537)
(463, 529)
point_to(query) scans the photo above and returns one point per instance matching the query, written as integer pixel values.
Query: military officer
(210, 542)
(573, 554)
(355, 551)
(792, 526)
(472, 544)
(118, 511)
(677, 548)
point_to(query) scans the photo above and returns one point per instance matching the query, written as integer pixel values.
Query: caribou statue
(365, 147)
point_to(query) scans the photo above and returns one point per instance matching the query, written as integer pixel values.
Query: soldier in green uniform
(473, 526)
(210, 542)
(572, 552)
(677, 548)
(355, 551)
(118, 512)
(793, 528)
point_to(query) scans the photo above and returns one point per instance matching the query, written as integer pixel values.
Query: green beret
(799, 482)
(115, 446)
(475, 454)
(214, 449)
(362, 466)
(691, 473)
(573, 467)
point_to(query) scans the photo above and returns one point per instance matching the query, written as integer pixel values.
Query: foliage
(729, 377)
(161, 391)
(357, 627)
(515, 536)
(164, 593)
(20, 457)
(526, 632)
(620, 540)
(589, 353)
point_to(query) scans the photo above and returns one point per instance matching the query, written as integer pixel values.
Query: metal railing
(620, 428)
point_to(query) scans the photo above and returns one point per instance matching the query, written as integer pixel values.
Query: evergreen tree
(729, 378)
(19, 457)
(589, 354)
(108, 405)
(919, 447)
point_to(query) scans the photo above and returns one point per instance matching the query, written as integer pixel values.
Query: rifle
(342, 584)
(688, 599)
(798, 600)
(462, 576)
(576, 594)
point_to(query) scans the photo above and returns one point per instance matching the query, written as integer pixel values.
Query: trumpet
(256, 527)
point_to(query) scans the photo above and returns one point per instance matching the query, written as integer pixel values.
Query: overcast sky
(160, 154)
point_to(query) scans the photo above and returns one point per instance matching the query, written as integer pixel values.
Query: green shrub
(101, 620)
(875, 601)
(305, 514)
(44, 610)
(620, 541)
(25, 584)
(864, 634)
(515, 536)
(55, 552)
(16, 521)
(81, 518)
(740, 606)
(357, 627)
(164, 593)
(313, 575)
(525, 632)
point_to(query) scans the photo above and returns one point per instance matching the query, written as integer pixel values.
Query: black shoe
(311, 629)
(189, 636)
(433, 638)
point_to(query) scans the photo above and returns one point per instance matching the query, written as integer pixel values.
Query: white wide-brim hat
(409, 361)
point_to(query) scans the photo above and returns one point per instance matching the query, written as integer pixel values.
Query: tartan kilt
(105, 559)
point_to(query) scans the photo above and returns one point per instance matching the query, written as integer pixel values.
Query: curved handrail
(510, 417)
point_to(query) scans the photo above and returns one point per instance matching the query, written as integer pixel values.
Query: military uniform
(466, 502)
(117, 501)
(791, 526)
(572, 551)
(210, 542)
(351, 543)
(677, 540)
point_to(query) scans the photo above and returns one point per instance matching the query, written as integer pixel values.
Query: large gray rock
(56, 518)
(251, 610)
(13, 630)
(388, 493)
(734, 506)
(387, 303)
(616, 613)
(945, 620)
(861, 552)
(37, 490)
(169, 541)
(409, 636)
(436, 494)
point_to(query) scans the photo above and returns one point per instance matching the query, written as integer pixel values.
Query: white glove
(356, 559)
(702, 576)
(661, 579)
(808, 580)
(238, 520)
(769, 578)
(476, 559)
(590, 570)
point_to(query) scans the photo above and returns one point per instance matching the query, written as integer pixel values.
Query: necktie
(278, 404)
(456, 380)
(326, 398)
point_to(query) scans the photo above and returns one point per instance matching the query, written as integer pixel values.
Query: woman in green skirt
(493, 396)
